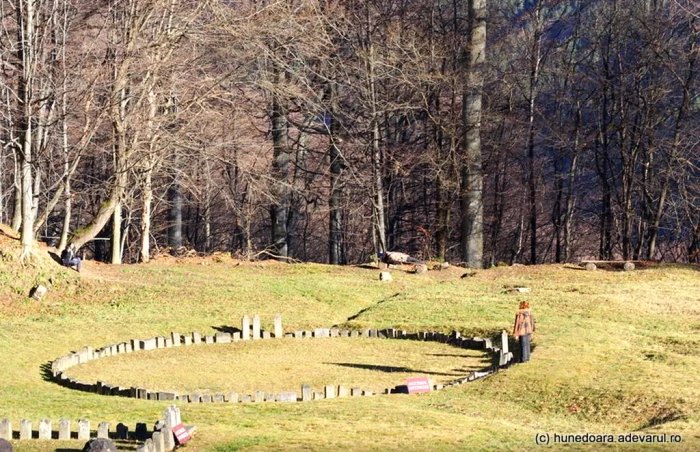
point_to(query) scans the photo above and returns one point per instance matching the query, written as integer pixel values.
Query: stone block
(355, 392)
(206, 398)
(176, 338)
(121, 348)
(195, 398)
(25, 429)
(148, 344)
(122, 431)
(259, 396)
(245, 328)
(196, 338)
(236, 336)
(84, 429)
(158, 442)
(6, 429)
(246, 398)
(103, 430)
(334, 332)
(421, 268)
(141, 431)
(266, 335)
(385, 276)
(343, 391)
(287, 396)
(354, 333)
(344, 333)
(231, 397)
(168, 343)
(222, 338)
(167, 395)
(318, 395)
(135, 345)
(187, 339)
(278, 326)
(298, 334)
(329, 391)
(45, 429)
(208, 339)
(306, 393)
(256, 327)
(64, 429)
(218, 398)
(504, 341)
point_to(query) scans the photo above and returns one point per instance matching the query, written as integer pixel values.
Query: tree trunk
(472, 221)
(279, 209)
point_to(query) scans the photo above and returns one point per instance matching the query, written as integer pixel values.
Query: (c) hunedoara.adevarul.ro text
(597, 438)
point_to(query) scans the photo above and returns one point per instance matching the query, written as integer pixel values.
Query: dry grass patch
(283, 365)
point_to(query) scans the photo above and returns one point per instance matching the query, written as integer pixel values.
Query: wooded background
(327, 130)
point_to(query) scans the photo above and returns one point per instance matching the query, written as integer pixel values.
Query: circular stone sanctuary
(251, 365)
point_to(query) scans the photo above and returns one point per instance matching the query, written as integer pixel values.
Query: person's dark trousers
(77, 262)
(525, 348)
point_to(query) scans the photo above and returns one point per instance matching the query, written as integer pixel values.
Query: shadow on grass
(393, 369)
(369, 308)
(660, 420)
(46, 373)
(227, 329)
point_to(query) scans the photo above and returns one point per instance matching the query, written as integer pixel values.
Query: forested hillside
(326, 130)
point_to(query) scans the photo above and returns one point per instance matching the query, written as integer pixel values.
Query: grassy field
(615, 352)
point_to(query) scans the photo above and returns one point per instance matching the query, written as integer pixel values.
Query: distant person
(396, 258)
(70, 258)
(523, 329)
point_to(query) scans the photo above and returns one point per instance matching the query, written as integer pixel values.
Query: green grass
(615, 352)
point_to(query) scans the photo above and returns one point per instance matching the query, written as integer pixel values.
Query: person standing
(523, 329)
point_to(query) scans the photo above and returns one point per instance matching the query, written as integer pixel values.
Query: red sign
(418, 384)
(181, 434)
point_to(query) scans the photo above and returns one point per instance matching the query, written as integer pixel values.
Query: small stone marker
(103, 430)
(278, 326)
(256, 327)
(218, 398)
(246, 398)
(245, 328)
(259, 396)
(343, 391)
(141, 431)
(355, 392)
(417, 385)
(84, 429)
(100, 445)
(6, 429)
(222, 338)
(38, 292)
(628, 267)
(329, 391)
(196, 338)
(231, 397)
(236, 336)
(590, 266)
(187, 339)
(160, 342)
(122, 431)
(206, 398)
(45, 429)
(158, 442)
(177, 338)
(421, 268)
(287, 396)
(208, 339)
(385, 276)
(25, 429)
(306, 393)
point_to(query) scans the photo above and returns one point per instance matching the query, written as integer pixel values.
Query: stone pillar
(329, 391)
(45, 429)
(245, 328)
(84, 429)
(64, 429)
(504, 341)
(6, 429)
(103, 430)
(168, 435)
(278, 326)
(256, 327)
(25, 429)
(158, 442)
(306, 393)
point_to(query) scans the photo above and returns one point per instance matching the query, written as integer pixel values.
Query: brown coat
(524, 323)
